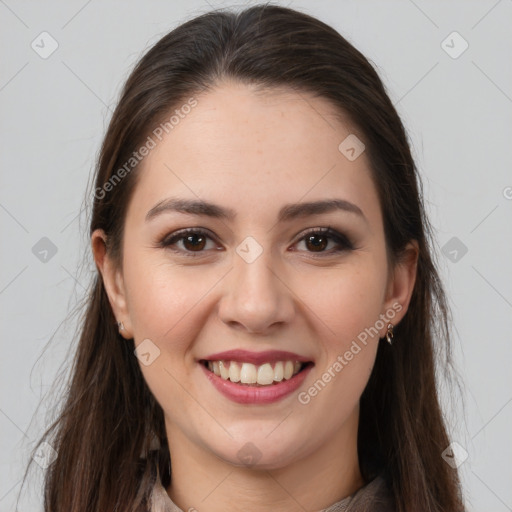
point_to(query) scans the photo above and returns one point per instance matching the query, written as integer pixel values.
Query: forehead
(253, 150)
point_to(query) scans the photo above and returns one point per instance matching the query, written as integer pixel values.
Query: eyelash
(344, 244)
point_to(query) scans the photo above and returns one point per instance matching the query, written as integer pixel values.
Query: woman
(260, 332)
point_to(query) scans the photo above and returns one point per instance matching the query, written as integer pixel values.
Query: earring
(120, 326)
(389, 334)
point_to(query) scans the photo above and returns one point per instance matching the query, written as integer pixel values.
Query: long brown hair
(104, 430)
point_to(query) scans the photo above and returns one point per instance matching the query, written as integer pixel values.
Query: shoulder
(375, 496)
(159, 500)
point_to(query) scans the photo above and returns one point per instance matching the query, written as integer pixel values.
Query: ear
(112, 281)
(401, 283)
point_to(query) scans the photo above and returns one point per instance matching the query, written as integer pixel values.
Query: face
(262, 288)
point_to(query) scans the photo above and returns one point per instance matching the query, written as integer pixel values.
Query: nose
(257, 298)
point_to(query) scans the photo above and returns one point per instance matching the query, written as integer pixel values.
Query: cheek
(349, 307)
(166, 306)
(346, 300)
(163, 298)
(170, 302)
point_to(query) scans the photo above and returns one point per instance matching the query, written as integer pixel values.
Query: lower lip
(246, 394)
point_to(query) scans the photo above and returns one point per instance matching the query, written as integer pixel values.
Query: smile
(256, 378)
(266, 374)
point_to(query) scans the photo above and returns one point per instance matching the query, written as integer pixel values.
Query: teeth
(265, 374)
(224, 371)
(279, 371)
(248, 373)
(234, 372)
(288, 370)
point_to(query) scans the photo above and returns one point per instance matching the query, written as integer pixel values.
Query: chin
(258, 454)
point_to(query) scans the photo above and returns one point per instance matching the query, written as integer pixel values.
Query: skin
(255, 152)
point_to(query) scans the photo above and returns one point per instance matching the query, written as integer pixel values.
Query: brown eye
(317, 240)
(189, 242)
(316, 243)
(194, 242)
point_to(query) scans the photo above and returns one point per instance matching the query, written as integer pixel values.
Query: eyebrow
(286, 213)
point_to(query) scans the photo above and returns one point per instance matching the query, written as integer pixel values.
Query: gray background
(457, 111)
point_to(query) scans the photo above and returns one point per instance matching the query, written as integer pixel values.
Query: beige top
(373, 497)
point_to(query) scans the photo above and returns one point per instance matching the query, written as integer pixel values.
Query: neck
(202, 481)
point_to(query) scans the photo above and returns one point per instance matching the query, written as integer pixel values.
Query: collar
(374, 496)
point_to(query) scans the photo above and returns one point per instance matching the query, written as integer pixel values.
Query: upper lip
(256, 358)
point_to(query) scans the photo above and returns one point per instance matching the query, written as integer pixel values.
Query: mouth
(256, 378)
(270, 373)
